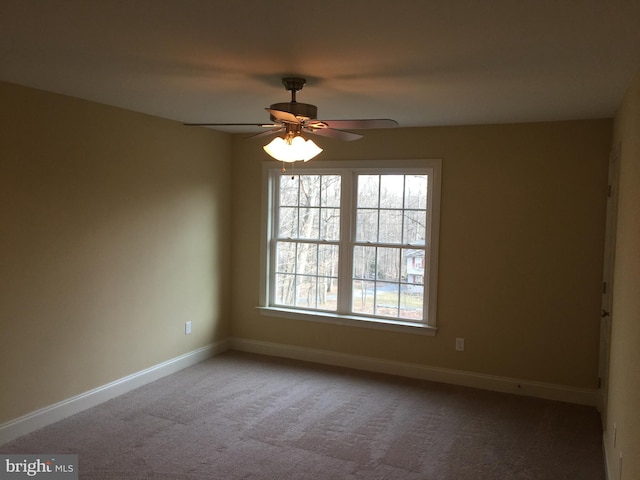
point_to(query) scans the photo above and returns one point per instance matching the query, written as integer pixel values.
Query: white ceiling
(429, 62)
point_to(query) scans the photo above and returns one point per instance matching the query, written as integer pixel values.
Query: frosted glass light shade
(298, 150)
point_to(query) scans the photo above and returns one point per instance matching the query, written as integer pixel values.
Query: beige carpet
(241, 416)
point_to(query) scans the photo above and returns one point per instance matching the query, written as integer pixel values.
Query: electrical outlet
(460, 344)
(187, 328)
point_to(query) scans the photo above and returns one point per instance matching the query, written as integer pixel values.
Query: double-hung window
(351, 244)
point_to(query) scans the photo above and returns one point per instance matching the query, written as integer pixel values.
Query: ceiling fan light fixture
(292, 150)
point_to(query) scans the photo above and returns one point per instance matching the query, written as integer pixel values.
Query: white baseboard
(58, 411)
(547, 391)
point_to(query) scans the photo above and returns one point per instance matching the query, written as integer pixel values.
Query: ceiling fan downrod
(294, 84)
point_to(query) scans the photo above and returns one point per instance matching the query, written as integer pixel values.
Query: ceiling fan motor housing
(298, 109)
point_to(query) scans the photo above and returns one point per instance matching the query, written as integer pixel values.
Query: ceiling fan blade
(283, 116)
(331, 133)
(230, 125)
(264, 134)
(360, 124)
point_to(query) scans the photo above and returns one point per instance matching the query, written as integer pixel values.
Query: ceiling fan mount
(294, 84)
(293, 118)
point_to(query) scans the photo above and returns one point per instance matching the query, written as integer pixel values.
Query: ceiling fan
(293, 118)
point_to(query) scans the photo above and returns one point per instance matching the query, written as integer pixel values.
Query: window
(353, 245)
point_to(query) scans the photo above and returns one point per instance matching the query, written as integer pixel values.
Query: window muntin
(353, 243)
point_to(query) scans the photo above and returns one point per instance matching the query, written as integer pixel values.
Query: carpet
(245, 416)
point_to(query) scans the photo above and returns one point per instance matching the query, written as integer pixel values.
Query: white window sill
(350, 320)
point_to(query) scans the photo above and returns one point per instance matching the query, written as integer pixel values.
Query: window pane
(391, 191)
(288, 227)
(305, 291)
(415, 191)
(309, 223)
(364, 262)
(367, 226)
(415, 222)
(307, 259)
(288, 190)
(412, 291)
(413, 267)
(327, 293)
(363, 297)
(331, 185)
(328, 260)
(390, 226)
(387, 299)
(411, 301)
(309, 190)
(286, 257)
(388, 264)
(368, 186)
(285, 289)
(330, 224)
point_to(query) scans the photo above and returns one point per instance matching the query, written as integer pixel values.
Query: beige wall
(624, 388)
(114, 232)
(521, 242)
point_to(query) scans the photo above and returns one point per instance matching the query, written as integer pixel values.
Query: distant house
(414, 261)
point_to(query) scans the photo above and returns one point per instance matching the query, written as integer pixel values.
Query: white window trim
(375, 166)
